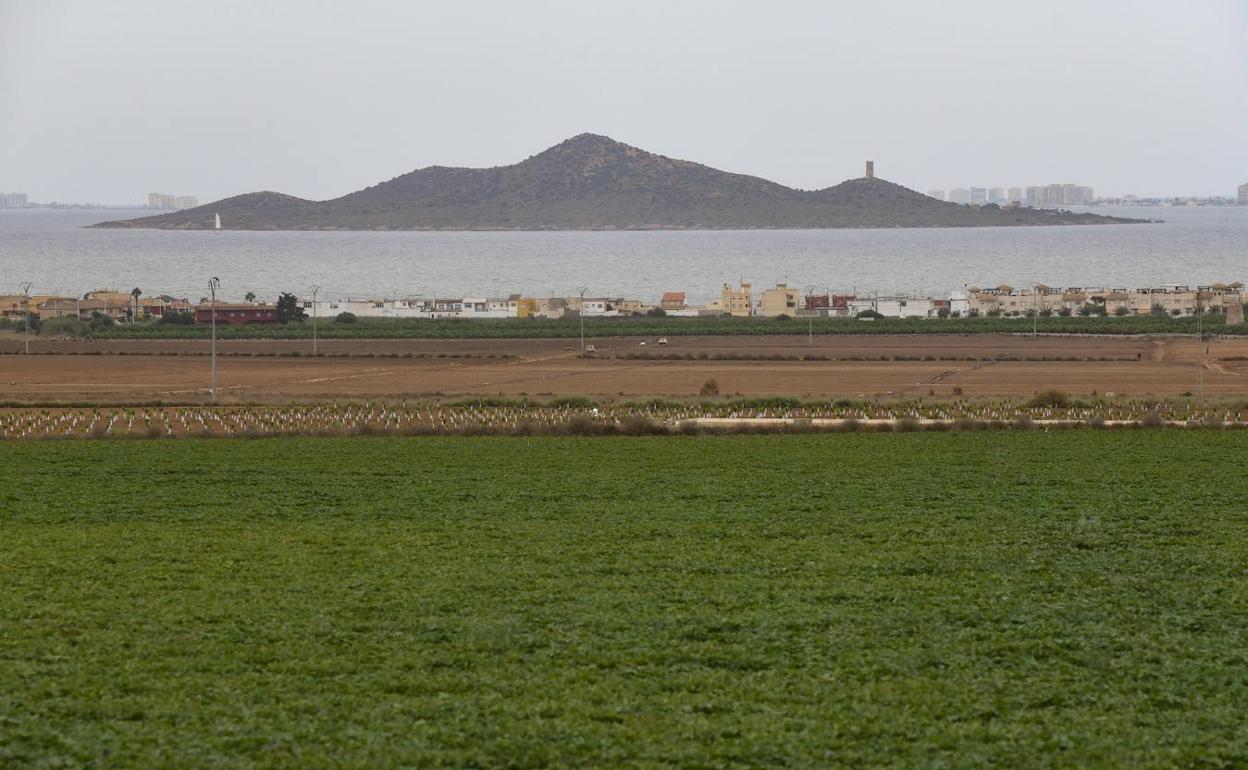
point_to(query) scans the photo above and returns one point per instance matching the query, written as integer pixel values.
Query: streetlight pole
(315, 289)
(582, 291)
(213, 284)
(26, 314)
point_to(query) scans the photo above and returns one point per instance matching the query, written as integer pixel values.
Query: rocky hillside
(592, 182)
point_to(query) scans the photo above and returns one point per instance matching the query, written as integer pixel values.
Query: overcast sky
(107, 101)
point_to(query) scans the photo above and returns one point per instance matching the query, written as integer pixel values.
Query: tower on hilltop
(870, 169)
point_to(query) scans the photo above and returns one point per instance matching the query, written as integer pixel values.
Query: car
(591, 349)
(662, 340)
(642, 343)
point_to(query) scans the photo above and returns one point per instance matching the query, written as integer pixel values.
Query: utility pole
(315, 289)
(810, 319)
(1200, 353)
(213, 284)
(1035, 310)
(26, 314)
(582, 291)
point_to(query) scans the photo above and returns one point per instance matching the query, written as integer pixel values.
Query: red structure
(841, 301)
(817, 301)
(236, 314)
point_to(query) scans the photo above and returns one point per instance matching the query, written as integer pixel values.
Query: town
(740, 300)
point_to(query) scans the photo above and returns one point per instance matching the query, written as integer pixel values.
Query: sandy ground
(257, 370)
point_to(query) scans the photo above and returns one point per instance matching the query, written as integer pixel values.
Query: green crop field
(987, 599)
(383, 328)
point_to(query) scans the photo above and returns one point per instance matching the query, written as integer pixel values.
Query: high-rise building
(1242, 198)
(940, 194)
(1015, 195)
(165, 201)
(12, 200)
(979, 196)
(960, 195)
(1054, 195)
(996, 195)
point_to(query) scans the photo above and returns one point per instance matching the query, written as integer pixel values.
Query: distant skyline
(108, 102)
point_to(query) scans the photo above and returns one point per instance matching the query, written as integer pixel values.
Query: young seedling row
(586, 417)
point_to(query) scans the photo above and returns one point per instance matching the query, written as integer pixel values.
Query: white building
(462, 307)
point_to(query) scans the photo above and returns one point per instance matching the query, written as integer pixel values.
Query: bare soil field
(116, 371)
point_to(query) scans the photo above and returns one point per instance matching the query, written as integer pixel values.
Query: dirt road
(257, 370)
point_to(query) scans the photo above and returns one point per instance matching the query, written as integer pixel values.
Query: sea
(57, 253)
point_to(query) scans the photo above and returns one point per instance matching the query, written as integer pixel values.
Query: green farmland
(570, 328)
(982, 599)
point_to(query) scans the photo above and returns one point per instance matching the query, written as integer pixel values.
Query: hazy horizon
(107, 103)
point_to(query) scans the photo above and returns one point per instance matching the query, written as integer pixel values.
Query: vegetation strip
(583, 416)
(537, 328)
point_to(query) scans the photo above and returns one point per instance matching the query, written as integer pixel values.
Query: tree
(250, 296)
(656, 312)
(136, 292)
(345, 318)
(185, 318)
(289, 309)
(1121, 310)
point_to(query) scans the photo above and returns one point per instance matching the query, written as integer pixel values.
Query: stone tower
(870, 169)
(1234, 312)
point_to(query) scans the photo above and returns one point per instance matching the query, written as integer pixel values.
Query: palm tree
(136, 292)
(250, 296)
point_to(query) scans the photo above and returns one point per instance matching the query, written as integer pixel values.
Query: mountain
(592, 182)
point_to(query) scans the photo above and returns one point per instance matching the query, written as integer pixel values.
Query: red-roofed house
(672, 300)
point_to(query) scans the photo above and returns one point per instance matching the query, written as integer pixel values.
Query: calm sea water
(53, 250)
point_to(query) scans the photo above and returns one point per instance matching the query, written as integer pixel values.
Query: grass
(1073, 599)
(537, 328)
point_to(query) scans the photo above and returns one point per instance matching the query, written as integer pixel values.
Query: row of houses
(1003, 300)
(740, 300)
(117, 305)
(785, 300)
(1178, 300)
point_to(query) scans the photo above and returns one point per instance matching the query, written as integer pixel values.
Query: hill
(592, 182)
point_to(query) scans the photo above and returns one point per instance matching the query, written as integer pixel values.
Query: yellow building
(14, 305)
(526, 306)
(781, 300)
(737, 302)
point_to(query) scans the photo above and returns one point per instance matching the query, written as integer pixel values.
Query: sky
(108, 101)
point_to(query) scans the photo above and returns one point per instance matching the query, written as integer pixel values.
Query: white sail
(218, 224)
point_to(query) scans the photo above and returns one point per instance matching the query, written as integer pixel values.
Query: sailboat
(216, 228)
